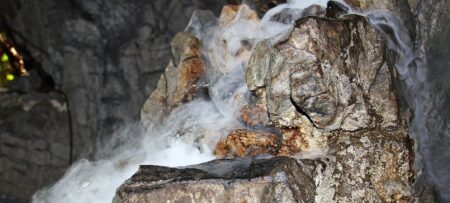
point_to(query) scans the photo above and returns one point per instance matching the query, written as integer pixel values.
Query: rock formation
(322, 92)
(278, 179)
(326, 93)
(178, 84)
(106, 56)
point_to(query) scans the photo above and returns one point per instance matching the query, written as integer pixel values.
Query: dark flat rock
(278, 179)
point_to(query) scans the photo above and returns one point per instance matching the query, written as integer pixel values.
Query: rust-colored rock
(178, 84)
(293, 142)
(228, 13)
(242, 143)
(254, 116)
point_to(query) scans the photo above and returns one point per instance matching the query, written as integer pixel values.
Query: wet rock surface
(324, 91)
(433, 33)
(427, 24)
(327, 86)
(179, 82)
(279, 179)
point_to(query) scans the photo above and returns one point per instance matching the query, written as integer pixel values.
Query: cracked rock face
(332, 71)
(328, 86)
(177, 85)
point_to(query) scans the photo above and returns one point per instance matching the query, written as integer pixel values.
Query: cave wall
(433, 39)
(33, 141)
(106, 56)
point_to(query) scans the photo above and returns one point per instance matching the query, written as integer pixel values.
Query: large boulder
(279, 179)
(323, 91)
(359, 167)
(332, 71)
(426, 23)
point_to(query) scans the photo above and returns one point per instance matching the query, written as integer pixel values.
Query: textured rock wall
(328, 86)
(433, 37)
(34, 142)
(428, 27)
(106, 56)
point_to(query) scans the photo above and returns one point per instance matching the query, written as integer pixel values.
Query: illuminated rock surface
(279, 179)
(322, 93)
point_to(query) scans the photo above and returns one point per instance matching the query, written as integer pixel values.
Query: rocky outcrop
(330, 87)
(323, 90)
(333, 72)
(366, 166)
(278, 179)
(179, 82)
(106, 56)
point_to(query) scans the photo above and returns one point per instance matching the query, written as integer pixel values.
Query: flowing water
(96, 181)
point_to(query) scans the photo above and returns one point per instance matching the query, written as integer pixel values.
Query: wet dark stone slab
(278, 179)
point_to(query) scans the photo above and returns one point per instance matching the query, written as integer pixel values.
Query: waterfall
(97, 180)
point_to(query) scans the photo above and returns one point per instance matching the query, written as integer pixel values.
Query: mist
(189, 133)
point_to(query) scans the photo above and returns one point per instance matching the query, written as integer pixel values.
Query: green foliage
(5, 58)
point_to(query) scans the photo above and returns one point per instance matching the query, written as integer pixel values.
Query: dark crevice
(301, 111)
(11, 32)
(77, 10)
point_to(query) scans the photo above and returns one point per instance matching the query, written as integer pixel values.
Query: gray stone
(366, 166)
(38, 144)
(279, 179)
(26, 140)
(106, 56)
(427, 25)
(327, 70)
